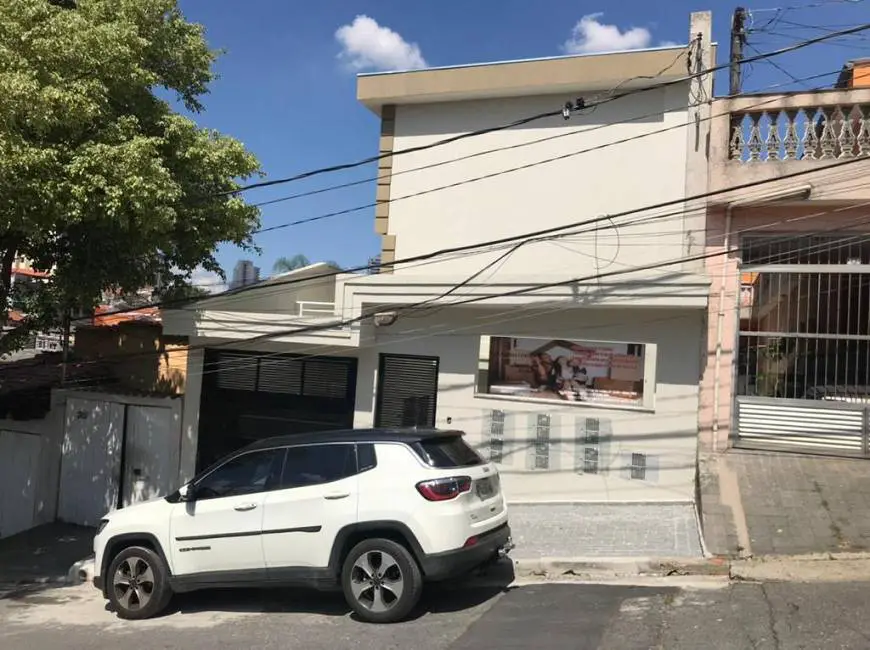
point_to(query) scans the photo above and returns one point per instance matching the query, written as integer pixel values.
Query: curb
(816, 567)
(11, 589)
(614, 568)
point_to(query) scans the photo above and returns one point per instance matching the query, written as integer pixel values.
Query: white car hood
(139, 510)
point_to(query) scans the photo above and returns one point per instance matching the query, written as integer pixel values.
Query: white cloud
(208, 280)
(590, 35)
(369, 46)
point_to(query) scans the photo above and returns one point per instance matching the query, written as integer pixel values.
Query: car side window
(366, 457)
(247, 474)
(318, 464)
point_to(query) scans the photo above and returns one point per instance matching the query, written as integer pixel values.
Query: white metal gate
(150, 454)
(91, 465)
(19, 467)
(802, 374)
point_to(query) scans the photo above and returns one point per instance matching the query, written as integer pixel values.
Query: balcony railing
(822, 132)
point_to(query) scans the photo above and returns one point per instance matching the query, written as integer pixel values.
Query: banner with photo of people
(572, 371)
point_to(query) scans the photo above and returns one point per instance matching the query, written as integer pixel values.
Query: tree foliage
(100, 180)
(298, 261)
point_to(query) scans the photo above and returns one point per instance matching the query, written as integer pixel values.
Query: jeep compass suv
(375, 512)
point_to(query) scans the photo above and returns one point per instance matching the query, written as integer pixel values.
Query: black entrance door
(407, 391)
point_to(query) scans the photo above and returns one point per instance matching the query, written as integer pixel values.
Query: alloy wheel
(133, 583)
(376, 581)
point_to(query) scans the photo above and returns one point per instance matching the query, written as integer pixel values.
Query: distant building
(244, 274)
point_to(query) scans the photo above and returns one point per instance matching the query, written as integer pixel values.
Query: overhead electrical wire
(518, 145)
(856, 237)
(581, 105)
(395, 263)
(520, 291)
(861, 237)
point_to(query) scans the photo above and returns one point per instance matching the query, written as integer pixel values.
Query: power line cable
(766, 242)
(778, 66)
(477, 154)
(581, 105)
(740, 248)
(504, 240)
(521, 291)
(428, 256)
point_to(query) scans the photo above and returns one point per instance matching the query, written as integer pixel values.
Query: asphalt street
(553, 616)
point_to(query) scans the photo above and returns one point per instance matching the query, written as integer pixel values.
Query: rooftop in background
(571, 74)
(302, 271)
(855, 74)
(108, 316)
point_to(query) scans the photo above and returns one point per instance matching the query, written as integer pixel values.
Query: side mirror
(186, 493)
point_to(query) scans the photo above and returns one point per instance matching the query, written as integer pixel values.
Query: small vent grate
(638, 467)
(593, 431)
(496, 436)
(590, 445)
(590, 460)
(542, 441)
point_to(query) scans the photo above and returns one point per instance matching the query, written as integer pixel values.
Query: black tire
(137, 584)
(381, 594)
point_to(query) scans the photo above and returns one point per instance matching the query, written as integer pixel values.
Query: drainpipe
(800, 192)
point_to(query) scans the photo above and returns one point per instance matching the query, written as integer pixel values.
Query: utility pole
(738, 39)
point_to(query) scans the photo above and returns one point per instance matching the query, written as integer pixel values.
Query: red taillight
(471, 541)
(444, 489)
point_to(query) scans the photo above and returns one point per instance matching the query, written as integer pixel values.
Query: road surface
(549, 615)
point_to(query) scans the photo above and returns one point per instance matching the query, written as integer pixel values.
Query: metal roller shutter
(248, 396)
(407, 391)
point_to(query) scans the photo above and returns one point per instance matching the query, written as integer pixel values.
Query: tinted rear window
(447, 452)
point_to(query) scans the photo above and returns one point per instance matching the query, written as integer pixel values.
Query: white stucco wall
(632, 174)
(668, 432)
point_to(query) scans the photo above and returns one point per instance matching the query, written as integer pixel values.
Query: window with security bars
(805, 317)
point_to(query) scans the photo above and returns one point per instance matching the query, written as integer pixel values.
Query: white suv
(376, 512)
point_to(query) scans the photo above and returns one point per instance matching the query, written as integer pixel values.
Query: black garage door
(249, 396)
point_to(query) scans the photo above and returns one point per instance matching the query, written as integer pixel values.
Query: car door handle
(245, 507)
(336, 497)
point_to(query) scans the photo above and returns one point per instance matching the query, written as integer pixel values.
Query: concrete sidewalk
(42, 556)
(589, 530)
(765, 503)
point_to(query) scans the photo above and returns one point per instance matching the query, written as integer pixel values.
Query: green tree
(100, 180)
(287, 264)
(182, 292)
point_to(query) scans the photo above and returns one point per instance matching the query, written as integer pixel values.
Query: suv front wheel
(138, 585)
(381, 581)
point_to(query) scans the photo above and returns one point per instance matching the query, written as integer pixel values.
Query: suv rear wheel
(138, 585)
(381, 581)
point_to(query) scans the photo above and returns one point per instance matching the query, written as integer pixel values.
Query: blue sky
(287, 79)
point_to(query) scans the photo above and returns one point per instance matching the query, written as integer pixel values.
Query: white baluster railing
(813, 133)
